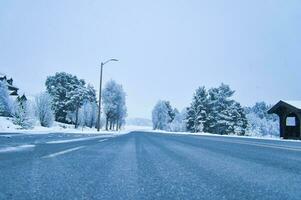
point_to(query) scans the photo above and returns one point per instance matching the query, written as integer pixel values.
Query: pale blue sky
(167, 48)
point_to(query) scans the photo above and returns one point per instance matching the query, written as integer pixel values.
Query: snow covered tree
(260, 123)
(88, 114)
(77, 97)
(23, 113)
(59, 86)
(178, 124)
(161, 116)
(171, 111)
(239, 122)
(68, 95)
(6, 104)
(114, 105)
(225, 116)
(198, 111)
(43, 109)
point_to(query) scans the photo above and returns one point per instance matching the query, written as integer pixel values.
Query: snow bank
(266, 137)
(7, 126)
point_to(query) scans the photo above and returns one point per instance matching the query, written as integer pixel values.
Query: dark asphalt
(142, 165)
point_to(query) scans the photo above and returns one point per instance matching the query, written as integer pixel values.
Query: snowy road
(147, 166)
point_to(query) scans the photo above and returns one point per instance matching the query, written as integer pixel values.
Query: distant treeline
(215, 111)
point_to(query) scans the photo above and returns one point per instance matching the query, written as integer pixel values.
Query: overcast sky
(166, 48)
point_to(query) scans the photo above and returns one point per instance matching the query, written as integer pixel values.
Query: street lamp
(100, 86)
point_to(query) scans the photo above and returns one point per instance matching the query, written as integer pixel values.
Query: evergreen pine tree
(226, 116)
(198, 111)
(59, 86)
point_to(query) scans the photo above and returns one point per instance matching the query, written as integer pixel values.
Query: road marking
(76, 140)
(258, 144)
(17, 148)
(102, 140)
(63, 152)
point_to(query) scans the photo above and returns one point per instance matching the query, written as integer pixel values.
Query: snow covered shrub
(43, 110)
(6, 104)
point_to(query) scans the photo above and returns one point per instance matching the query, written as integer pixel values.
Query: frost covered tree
(6, 104)
(178, 124)
(88, 114)
(161, 116)
(114, 105)
(197, 112)
(43, 109)
(165, 117)
(77, 97)
(59, 86)
(171, 112)
(260, 123)
(23, 114)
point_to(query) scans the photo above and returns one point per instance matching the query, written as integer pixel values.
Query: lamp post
(100, 86)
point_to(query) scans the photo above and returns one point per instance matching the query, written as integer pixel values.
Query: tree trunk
(76, 118)
(107, 121)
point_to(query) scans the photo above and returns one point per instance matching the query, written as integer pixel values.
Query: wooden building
(289, 113)
(13, 90)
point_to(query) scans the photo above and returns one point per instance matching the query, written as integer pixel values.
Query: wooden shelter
(289, 113)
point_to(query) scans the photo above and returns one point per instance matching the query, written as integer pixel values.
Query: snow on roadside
(267, 137)
(137, 128)
(7, 126)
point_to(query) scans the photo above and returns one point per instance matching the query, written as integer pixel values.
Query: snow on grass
(17, 148)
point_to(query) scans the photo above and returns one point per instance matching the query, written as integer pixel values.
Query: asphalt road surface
(142, 165)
